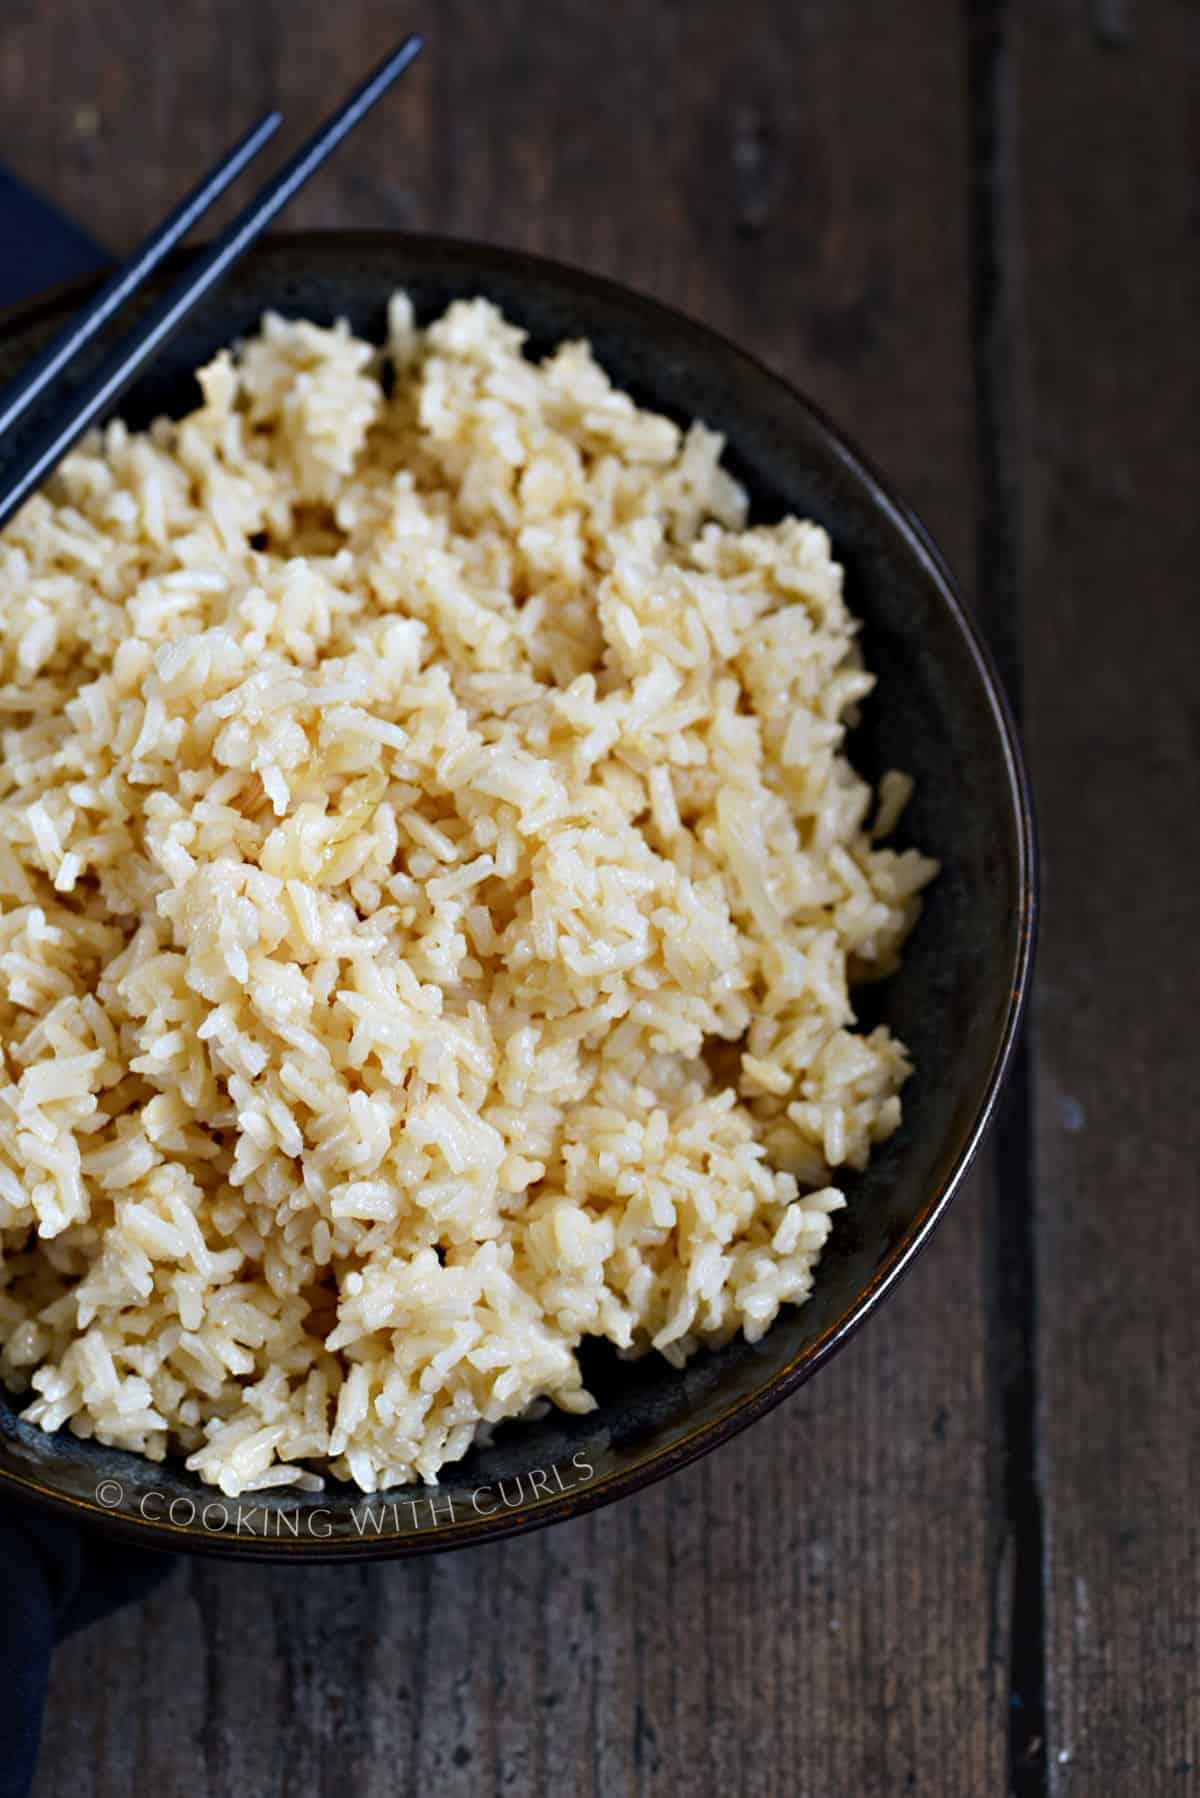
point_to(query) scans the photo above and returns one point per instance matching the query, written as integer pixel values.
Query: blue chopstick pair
(89, 401)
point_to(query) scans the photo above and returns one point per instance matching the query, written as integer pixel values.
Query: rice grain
(431, 887)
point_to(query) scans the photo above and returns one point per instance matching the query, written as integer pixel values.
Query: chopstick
(20, 394)
(164, 318)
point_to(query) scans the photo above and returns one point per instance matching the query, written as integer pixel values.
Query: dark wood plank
(820, 1608)
(1108, 148)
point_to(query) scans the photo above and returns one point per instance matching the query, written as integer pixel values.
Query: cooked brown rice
(431, 883)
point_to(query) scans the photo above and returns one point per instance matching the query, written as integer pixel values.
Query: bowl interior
(954, 1001)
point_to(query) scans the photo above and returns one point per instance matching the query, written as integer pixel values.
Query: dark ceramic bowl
(938, 712)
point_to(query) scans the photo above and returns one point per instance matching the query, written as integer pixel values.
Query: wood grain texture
(826, 1607)
(811, 1611)
(1110, 551)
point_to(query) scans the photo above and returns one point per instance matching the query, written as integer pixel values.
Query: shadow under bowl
(937, 712)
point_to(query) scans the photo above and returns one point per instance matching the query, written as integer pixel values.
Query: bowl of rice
(516, 892)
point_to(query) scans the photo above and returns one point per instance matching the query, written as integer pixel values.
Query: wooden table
(966, 1560)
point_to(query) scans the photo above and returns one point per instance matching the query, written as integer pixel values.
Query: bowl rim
(158, 1532)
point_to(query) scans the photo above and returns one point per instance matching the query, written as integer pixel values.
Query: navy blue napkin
(54, 1579)
(39, 248)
